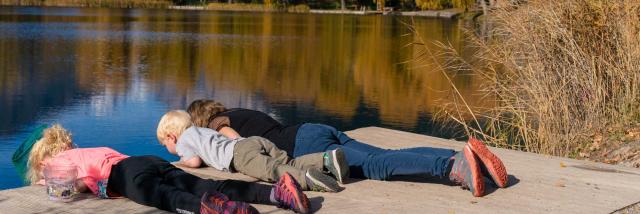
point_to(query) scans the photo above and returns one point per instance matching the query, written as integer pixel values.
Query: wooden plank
(541, 184)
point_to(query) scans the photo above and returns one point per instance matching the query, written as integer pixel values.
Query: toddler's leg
(303, 162)
(258, 157)
(252, 158)
(306, 162)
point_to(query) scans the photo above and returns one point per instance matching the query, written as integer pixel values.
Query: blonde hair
(203, 111)
(173, 122)
(55, 139)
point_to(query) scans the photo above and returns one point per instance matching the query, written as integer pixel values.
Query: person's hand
(193, 162)
(41, 182)
(80, 186)
(229, 132)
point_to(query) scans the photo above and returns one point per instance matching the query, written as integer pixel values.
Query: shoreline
(446, 13)
(451, 13)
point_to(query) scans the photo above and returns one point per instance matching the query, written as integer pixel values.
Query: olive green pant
(260, 158)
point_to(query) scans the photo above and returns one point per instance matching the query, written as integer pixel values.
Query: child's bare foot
(494, 166)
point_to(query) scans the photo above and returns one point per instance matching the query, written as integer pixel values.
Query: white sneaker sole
(321, 184)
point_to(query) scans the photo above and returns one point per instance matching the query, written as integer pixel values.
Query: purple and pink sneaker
(213, 202)
(288, 194)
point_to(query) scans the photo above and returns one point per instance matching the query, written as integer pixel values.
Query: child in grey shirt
(253, 156)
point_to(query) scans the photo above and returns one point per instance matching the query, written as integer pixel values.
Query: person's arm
(193, 162)
(229, 132)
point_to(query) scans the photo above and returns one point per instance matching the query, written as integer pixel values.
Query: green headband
(21, 155)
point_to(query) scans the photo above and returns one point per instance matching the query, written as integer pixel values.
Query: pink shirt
(94, 165)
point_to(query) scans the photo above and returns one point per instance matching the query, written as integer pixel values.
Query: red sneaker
(490, 161)
(289, 194)
(466, 172)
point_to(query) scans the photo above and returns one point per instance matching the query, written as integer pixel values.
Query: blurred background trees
(355, 4)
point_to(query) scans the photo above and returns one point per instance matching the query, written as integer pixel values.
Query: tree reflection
(334, 64)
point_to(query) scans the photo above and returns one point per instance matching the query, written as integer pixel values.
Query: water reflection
(112, 73)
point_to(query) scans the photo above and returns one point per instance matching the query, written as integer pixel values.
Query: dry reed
(557, 72)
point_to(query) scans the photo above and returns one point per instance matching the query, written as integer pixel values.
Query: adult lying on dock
(365, 161)
(152, 181)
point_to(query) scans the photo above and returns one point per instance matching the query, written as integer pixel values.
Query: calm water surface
(108, 74)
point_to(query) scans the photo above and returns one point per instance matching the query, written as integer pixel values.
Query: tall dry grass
(91, 3)
(556, 71)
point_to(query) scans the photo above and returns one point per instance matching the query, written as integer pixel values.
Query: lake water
(109, 74)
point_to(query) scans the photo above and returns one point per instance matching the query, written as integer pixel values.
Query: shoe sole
(476, 173)
(492, 163)
(341, 173)
(291, 184)
(323, 182)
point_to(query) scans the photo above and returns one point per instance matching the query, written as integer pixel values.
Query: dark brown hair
(203, 111)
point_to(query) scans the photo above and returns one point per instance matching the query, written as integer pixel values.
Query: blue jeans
(366, 161)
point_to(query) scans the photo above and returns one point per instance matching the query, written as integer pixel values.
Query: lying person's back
(255, 123)
(213, 148)
(93, 164)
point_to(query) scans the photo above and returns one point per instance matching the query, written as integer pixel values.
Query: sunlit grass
(557, 72)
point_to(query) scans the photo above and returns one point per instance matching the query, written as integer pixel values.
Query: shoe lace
(240, 208)
(326, 161)
(244, 210)
(218, 201)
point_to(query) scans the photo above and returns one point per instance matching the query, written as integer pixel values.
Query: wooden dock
(447, 13)
(346, 12)
(540, 184)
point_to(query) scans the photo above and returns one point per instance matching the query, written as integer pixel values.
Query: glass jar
(60, 180)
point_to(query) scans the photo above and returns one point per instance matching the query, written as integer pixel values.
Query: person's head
(55, 139)
(171, 126)
(203, 111)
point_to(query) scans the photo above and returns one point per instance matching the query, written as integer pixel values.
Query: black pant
(152, 181)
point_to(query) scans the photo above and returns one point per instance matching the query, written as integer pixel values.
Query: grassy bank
(91, 3)
(563, 76)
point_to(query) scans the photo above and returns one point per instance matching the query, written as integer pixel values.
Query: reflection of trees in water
(328, 62)
(334, 63)
(32, 77)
